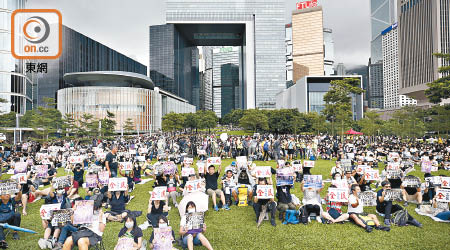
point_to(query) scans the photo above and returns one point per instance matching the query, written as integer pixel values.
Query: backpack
(366, 220)
(266, 146)
(400, 218)
(303, 214)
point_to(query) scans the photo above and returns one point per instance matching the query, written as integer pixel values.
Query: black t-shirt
(284, 194)
(112, 161)
(211, 181)
(136, 232)
(118, 204)
(380, 205)
(411, 190)
(157, 210)
(395, 183)
(243, 178)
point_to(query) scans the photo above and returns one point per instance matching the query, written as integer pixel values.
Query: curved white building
(126, 94)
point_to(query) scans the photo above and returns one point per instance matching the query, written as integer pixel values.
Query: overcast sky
(123, 25)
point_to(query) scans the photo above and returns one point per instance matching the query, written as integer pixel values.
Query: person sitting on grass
(156, 208)
(412, 194)
(91, 235)
(356, 212)
(131, 230)
(172, 182)
(311, 200)
(284, 200)
(259, 204)
(8, 215)
(229, 188)
(387, 208)
(212, 189)
(117, 201)
(162, 223)
(192, 237)
(334, 210)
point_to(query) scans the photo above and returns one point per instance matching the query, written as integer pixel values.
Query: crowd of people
(365, 173)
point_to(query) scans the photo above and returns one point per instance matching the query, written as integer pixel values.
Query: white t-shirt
(96, 222)
(352, 200)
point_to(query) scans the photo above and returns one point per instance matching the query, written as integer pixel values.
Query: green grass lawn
(236, 229)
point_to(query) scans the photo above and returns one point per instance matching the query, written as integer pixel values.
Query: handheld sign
(200, 167)
(188, 161)
(158, 193)
(372, 175)
(426, 166)
(393, 174)
(340, 183)
(101, 156)
(118, 184)
(20, 167)
(393, 166)
(213, 161)
(60, 216)
(169, 167)
(126, 166)
(285, 176)
(45, 210)
(193, 186)
(42, 171)
(445, 182)
(125, 243)
(21, 178)
(132, 151)
(185, 172)
(313, 181)
(103, 177)
(84, 212)
(393, 195)
(62, 182)
(362, 168)
(281, 163)
(163, 238)
(194, 222)
(91, 181)
(9, 187)
(297, 167)
(143, 151)
(201, 152)
(368, 198)
(309, 164)
(241, 161)
(264, 191)
(76, 159)
(411, 181)
(338, 194)
(262, 172)
(140, 158)
(443, 195)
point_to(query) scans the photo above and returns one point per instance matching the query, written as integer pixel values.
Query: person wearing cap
(211, 177)
(8, 215)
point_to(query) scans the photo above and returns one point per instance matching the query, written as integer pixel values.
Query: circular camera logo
(36, 29)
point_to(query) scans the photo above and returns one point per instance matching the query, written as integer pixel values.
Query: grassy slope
(236, 229)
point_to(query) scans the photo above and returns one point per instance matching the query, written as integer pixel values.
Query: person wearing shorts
(334, 210)
(192, 238)
(212, 189)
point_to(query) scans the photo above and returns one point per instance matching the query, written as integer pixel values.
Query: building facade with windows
(125, 94)
(16, 85)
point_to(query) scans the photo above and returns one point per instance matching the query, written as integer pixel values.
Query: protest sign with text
(313, 181)
(45, 210)
(338, 194)
(285, 176)
(118, 184)
(263, 171)
(308, 164)
(185, 172)
(443, 195)
(213, 161)
(158, 193)
(84, 212)
(264, 191)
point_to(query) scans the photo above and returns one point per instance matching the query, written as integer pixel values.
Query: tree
(88, 126)
(46, 120)
(191, 121)
(439, 117)
(316, 122)
(440, 89)
(128, 125)
(371, 123)
(8, 120)
(254, 119)
(338, 107)
(108, 124)
(406, 122)
(297, 123)
(69, 124)
(207, 119)
(233, 117)
(172, 122)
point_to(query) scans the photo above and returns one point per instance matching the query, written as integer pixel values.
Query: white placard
(193, 186)
(338, 194)
(44, 211)
(118, 184)
(200, 167)
(445, 182)
(188, 161)
(158, 193)
(371, 175)
(340, 183)
(264, 191)
(443, 195)
(241, 161)
(213, 161)
(309, 164)
(20, 167)
(140, 158)
(185, 172)
(21, 178)
(126, 166)
(263, 171)
(297, 167)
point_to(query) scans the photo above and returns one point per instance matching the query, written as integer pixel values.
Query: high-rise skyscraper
(383, 13)
(328, 45)
(80, 54)
(254, 25)
(308, 42)
(206, 69)
(424, 29)
(16, 85)
(226, 80)
(392, 99)
(289, 56)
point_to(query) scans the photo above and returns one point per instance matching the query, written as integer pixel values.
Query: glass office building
(255, 25)
(16, 86)
(80, 54)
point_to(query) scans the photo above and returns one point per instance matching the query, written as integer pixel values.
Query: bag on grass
(303, 214)
(400, 218)
(366, 220)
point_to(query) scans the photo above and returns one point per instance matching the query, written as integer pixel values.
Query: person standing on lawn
(211, 177)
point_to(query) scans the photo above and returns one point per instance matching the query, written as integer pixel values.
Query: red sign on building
(306, 4)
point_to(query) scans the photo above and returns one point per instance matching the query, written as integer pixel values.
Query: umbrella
(199, 198)
(7, 226)
(352, 132)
